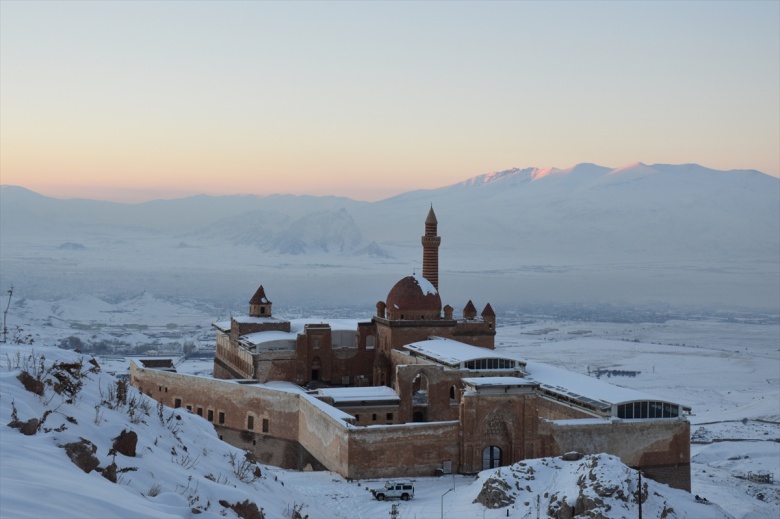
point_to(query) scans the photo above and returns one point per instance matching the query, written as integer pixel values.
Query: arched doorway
(420, 398)
(491, 457)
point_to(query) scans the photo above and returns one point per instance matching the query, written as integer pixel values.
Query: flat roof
(359, 394)
(583, 387)
(452, 352)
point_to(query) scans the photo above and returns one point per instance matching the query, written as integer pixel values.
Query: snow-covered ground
(728, 371)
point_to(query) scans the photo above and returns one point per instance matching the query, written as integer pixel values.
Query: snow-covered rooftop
(453, 352)
(245, 319)
(360, 394)
(583, 387)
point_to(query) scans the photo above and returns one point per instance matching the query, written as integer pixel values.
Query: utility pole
(5, 312)
(639, 493)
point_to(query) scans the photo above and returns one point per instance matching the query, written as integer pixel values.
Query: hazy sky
(137, 100)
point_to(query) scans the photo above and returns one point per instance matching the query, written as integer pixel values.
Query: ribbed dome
(414, 297)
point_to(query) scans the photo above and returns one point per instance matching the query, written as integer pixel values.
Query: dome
(414, 297)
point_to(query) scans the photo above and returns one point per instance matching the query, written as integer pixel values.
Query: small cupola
(259, 305)
(469, 311)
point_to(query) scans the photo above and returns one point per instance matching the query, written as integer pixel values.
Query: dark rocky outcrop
(245, 509)
(125, 443)
(30, 383)
(82, 454)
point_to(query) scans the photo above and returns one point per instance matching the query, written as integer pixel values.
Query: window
(200, 411)
(221, 418)
(373, 417)
(390, 416)
(189, 408)
(177, 403)
(453, 400)
(250, 422)
(489, 364)
(370, 345)
(637, 410)
(211, 415)
(357, 417)
(265, 425)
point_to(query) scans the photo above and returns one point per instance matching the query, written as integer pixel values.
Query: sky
(132, 101)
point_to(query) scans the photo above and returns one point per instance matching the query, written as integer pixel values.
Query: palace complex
(415, 391)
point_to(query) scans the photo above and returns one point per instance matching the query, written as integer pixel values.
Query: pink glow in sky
(138, 100)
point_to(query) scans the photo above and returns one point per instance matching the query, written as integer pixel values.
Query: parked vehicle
(394, 490)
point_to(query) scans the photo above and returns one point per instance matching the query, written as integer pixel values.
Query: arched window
(452, 395)
(491, 457)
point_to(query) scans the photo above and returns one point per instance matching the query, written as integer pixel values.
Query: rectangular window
(250, 422)
(200, 411)
(221, 417)
(265, 425)
(373, 417)
(189, 408)
(357, 417)
(211, 415)
(390, 416)
(177, 403)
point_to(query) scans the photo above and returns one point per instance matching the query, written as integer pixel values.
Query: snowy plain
(727, 370)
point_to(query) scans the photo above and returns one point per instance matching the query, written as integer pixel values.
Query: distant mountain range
(654, 210)
(513, 219)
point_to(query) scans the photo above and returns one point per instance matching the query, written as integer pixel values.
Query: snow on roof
(499, 381)
(258, 338)
(359, 394)
(454, 352)
(222, 325)
(579, 386)
(425, 285)
(331, 411)
(248, 319)
(297, 325)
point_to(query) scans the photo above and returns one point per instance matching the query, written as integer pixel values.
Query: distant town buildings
(415, 391)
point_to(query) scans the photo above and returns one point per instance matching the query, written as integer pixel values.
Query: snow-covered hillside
(79, 443)
(725, 367)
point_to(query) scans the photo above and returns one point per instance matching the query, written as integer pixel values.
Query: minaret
(430, 243)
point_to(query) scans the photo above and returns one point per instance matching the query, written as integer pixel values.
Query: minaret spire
(430, 243)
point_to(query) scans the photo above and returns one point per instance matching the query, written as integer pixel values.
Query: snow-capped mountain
(652, 232)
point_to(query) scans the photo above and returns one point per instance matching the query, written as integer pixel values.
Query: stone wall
(660, 448)
(403, 451)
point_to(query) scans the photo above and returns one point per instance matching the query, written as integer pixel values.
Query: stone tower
(259, 305)
(430, 243)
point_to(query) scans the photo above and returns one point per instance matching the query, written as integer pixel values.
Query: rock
(28, 428)
(125, 443)
(110, 472)
(245, 509)
(82, 454)
(494, 494)
(572, 456)
(30, 383)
